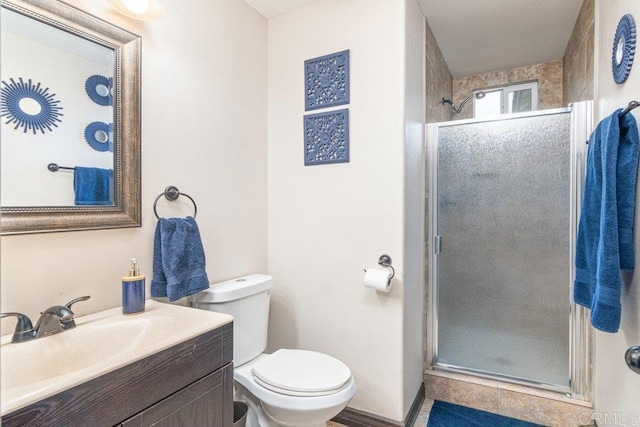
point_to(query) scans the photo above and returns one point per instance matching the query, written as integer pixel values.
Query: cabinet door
(207, 402)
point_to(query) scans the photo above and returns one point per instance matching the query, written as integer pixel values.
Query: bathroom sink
(100, 343)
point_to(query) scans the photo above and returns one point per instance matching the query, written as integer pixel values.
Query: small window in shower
(507, 99)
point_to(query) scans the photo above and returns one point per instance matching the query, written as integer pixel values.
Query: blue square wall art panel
(326, 81)
(326, 137)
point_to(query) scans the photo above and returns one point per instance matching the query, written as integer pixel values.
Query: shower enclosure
(504, 199)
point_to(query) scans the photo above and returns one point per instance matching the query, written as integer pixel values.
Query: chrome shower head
(458, 108)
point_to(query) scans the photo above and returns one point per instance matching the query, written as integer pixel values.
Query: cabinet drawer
(207, 402)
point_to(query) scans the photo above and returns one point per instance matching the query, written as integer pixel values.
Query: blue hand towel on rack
(178, 259)
(92, 186)
(605, 232)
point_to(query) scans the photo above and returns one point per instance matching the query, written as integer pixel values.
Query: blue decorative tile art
(326, 137)
(326, 81)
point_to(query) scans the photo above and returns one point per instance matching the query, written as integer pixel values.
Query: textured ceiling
(483, 35)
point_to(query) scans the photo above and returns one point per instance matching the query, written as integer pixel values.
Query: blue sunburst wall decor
(326, 137)
(90, 136)
(95, 85)
(624, 48)
(326, 81)
(13, 92)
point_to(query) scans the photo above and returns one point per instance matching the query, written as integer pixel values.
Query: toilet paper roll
(377, 279)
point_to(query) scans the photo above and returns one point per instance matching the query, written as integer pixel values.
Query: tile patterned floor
(421, 420)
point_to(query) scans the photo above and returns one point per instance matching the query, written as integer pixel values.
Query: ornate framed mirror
(52, 52)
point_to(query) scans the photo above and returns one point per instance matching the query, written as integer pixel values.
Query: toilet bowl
(308, 404)
(288, 387)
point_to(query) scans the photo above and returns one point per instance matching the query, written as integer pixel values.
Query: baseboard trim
(356, 418)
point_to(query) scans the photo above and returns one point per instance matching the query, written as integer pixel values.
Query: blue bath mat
(445, 414)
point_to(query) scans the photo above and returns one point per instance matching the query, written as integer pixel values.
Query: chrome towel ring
(171, 193)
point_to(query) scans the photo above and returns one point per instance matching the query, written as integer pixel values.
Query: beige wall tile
(541, 410)
(578, 79)
(590, 49)
(438, 81)
(548, 75)
(550, 86)
(586, 18)
(464, 378)
(578, 57)
(463, 393)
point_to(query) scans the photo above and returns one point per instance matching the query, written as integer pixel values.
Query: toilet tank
(247, 300)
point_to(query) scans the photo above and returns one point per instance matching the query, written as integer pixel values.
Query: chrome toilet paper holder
(385, 261)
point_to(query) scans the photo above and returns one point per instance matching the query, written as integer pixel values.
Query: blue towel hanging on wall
(92, 186)
(178, 259)
(605, 232)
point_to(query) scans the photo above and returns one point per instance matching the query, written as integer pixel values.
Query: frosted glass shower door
(502, 210)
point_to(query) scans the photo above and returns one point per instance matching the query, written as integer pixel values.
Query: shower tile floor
(421, 420)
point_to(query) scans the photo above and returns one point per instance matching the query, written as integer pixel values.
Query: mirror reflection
(55, 87)
(619, 50)
(70, 120)
(102, 90)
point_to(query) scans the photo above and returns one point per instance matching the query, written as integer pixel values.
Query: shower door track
(581, 332)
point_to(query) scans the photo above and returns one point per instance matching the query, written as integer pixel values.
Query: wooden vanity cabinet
(202, 403)
(187, 385)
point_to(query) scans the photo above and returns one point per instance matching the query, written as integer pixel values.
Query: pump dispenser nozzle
(133, 271)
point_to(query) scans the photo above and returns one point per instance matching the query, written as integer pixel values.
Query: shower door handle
(437, 244)
(632, 357)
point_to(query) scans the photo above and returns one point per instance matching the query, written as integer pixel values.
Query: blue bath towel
(92, 186)
(178, 259)
(605, 233)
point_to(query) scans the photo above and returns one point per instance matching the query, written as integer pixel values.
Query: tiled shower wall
(560, 83)
(548, 75)
(578, 57)
(438, 84)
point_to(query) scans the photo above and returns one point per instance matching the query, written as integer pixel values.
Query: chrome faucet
(53, 320)
(24, 328)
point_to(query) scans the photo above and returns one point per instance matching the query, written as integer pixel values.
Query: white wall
(617, 388)
(414, 224)
(204, 127)
(328, 222)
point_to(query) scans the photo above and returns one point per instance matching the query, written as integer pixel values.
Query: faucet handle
(73, 301)
(24, 328)
(70, 323)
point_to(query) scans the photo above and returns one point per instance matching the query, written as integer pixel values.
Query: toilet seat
(299, 393)
(301, 373)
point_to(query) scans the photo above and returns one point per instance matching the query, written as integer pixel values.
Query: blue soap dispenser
(133, 290)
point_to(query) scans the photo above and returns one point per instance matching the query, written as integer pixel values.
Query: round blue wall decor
(99, 136)
(43, 112)
(624, 48)
(98, 88)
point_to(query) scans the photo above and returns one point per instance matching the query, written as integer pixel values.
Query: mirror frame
(127, 128)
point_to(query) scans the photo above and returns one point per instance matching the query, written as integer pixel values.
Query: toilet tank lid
(234, 289)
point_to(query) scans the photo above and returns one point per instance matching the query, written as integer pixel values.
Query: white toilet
(287, 387)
